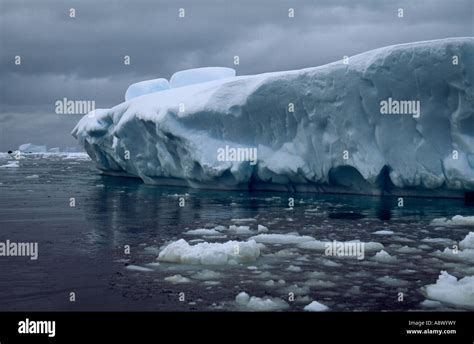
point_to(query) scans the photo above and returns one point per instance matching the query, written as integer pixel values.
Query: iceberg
(342, 128)
(199, 75)
(145, 87)
(31, 148)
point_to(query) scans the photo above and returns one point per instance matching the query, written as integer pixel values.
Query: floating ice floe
(384, 232)
(467, 242)
(457, 220)
(431, 304)
(202, 231)
(465, 252)
(451, 291)
(11, 164)
(293, 268)
(248, 219)
(384, 257)
(242, 230)
(393, 282)
(296, 289)
(318, 245)
(265, 304)
(207, 275)
(315, 306)
(272, 283)
(281, 238)
(138, 268)
(437, 240)
(177, 279)
(231, 252)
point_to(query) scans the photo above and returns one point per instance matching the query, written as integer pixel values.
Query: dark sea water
(81, 248)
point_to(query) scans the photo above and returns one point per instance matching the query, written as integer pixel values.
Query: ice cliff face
(335, 128)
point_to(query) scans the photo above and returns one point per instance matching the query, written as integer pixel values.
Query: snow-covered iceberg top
(179, 79)
(146, 87)
(397, 120)
(200, 75)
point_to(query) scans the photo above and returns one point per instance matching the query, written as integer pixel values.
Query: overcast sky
(82, 58)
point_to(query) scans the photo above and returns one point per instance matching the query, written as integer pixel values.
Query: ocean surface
(82, 247)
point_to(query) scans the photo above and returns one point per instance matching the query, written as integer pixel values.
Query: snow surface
(200, 75)
(145, 87)
(231, 252)
(449, 290)
(337, 108)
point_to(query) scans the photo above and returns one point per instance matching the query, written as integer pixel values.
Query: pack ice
(316, 129)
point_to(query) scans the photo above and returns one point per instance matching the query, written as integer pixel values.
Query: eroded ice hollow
(304, 123)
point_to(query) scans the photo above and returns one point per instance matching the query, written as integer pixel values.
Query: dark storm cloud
(82, 58)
